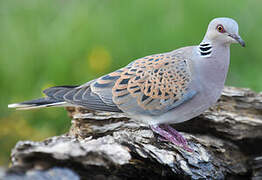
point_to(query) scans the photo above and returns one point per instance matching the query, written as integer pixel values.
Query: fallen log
(226, 142)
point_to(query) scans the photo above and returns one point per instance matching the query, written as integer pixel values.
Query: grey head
(223, 31)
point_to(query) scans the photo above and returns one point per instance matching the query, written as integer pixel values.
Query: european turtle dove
(159, 89)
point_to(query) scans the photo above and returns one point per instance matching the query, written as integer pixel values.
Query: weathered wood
(226, 139)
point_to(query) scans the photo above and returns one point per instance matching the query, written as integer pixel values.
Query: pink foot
(170, 134)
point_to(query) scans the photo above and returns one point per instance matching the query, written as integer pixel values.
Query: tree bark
(226, 142)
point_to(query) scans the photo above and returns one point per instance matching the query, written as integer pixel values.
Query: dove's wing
(150, 85)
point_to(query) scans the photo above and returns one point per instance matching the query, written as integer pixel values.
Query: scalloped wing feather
(153, 84)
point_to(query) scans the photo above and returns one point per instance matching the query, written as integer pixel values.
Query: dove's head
(223, 31)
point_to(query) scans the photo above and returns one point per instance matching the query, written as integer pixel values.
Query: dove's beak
(238, 39)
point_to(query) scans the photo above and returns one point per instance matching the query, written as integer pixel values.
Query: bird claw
(171, 135)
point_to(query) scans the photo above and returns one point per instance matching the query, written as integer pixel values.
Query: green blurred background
(62, 42)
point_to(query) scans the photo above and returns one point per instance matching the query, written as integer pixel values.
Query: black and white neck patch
(205, 49)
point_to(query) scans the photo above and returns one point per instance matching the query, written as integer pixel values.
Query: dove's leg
(170, 134)
(178, 136)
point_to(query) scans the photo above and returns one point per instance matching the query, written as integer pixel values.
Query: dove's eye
(220, 28)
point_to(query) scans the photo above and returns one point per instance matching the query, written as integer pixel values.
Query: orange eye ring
(220, 28)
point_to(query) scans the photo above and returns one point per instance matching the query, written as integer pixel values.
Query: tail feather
(37, 103)
(54, 98)
(57, 92)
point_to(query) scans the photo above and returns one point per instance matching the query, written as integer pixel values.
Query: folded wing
(150, 85)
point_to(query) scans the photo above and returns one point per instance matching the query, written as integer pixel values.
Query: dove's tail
(68, 96)
(38, 103)
(54, 98)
